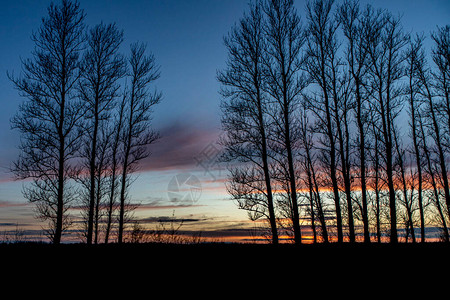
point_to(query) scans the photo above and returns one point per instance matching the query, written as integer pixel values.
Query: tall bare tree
(433, 170)
(386, 68)
(441, 87)
(101, 68)
(285, 39)
(48, 119)
(376, 180)
(339, 128)
(355, 24)
(405, 183)
(115, 166)
(102, 184)
(245, 119)
(435, 129)
(321, 50)
(137, 131)
(414, 57)
(310, 169)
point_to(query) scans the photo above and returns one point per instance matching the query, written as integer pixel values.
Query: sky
(186, 38)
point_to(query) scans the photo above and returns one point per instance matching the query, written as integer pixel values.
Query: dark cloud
(166, 219)
(8, 224)
(180, 143)
(151, 203)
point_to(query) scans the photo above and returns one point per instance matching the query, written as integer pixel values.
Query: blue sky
(186, 37)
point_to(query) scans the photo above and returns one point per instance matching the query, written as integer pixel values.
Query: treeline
(85, 124)
(339, 120)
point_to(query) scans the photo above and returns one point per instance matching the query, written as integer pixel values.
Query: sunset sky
(186, 37)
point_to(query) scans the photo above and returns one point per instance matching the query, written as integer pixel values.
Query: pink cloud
(180, 143)
(5, 204)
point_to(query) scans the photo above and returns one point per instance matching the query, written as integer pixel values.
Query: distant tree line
(85, 124)
(339, 122)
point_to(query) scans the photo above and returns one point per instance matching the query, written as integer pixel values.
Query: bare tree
(435, 129)
(386, 68)
(115, 165)
(405, 183)
(378, 183)
(101, 68)
(432, 171)
(247, 187)
(101, 188)
(244, 118)
(101, 179)
(414, 56)
(137, 132)
(285, 39)
(355, 24)
(441, 86)
(341, 87)
(338, 128)
(48, 119)
(310, 169)
(321, 51)
(310, 197)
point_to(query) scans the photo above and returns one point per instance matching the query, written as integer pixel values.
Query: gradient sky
(186, 38)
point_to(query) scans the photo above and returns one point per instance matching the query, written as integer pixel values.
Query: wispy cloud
(5, 204)
(167, 219)
(160, 203)
(180, 143)
(8, 224)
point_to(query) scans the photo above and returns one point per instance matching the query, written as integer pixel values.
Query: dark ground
(209, 254)
(253, 266)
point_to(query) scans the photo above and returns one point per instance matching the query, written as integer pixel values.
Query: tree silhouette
(137, 132)
(310, 168)
(313, 119)
(285, 39)
(441, 87)
(101, 68)
(414, 56)
(321, 50)
(47, 120)
(245, 118)
(355, 26)
(362, 70)
(436, 160)
(115, 165)
(386, 68)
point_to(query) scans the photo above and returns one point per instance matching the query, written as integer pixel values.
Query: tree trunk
(272, 218)
(311, 205)
(293, 189)
(417, 157)
(61, 158)
(334, 182)
(92, 170)
(362, 162)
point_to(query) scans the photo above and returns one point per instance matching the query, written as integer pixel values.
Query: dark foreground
(210, 255)
(228, 268)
